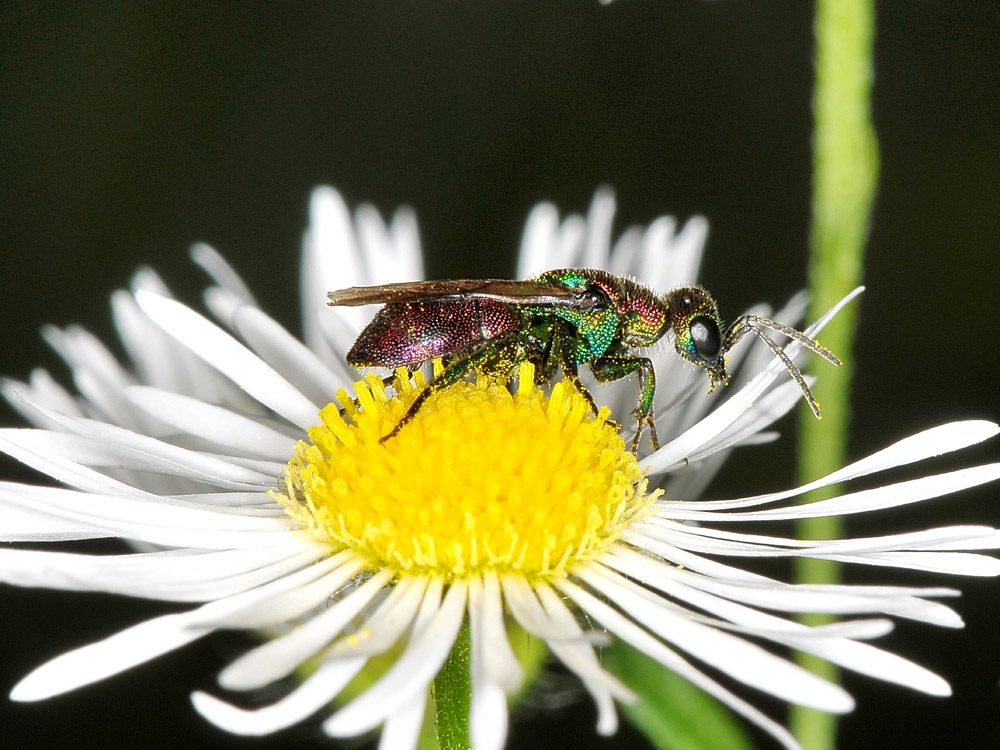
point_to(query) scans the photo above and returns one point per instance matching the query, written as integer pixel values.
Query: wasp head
(698, 338)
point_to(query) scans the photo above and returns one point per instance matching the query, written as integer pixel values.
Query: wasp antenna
(807, 342)
(754, 324)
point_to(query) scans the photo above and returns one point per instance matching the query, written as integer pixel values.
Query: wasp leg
(501, 348)
(573, 376)
(387, 381)
(612, 367)
(561, 350)
(755, 324)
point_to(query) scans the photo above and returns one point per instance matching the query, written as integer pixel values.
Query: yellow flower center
(480, 479)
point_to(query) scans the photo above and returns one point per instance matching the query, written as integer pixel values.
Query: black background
(127, 134)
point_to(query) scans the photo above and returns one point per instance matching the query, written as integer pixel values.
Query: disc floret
(482, 479)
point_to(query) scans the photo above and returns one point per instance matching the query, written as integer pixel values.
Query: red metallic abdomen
(412, 332)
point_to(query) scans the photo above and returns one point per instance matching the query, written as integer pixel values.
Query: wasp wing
(501, 290)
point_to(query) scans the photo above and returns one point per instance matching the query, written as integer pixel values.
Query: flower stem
(452, 692)
(845, 172)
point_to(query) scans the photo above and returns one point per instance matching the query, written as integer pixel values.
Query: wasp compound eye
(706, 338)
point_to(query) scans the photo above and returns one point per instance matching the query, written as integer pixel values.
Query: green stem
(845, 172)
(452, 691)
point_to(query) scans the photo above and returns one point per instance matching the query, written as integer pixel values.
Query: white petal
(642, 640)
(223, 305)
(140, 643)
(656, 257)
(108, 657)
(547, 244)
(401, 730)
(219, 269)
(830, 643)
(735, 656)
(626, 256)
(337, 329)
(868, 660)
(100, 442)
(289, 356)
(42, 390)
(775, 404)
(686, 251)
(177, 575)
(488, 701)
(964, 538)
(390, 255)
(283, 599)
(570, 241)
(383, 629)
(422, 659)
(879, 498)
(538, 237)
(158, 522)
(577, 654)
(39, 449)
(259, 500)
(948, 563)
(160, 359)
(96, 374)
(213, 423)
(230, 357)
(287, 597)
(933, 442)
(738, 617)
(528, 612)
(692, 483)
(279, 657)
(499, 659)
(315, 692)
(49, 393)
(81, 349)
(34, 525)
(942, 537)
(749, 588)
(409, 258)
(597, 246)
(331, 259)
(667, 260)
(920, 550)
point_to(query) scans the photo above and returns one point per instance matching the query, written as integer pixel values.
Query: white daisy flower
(258, 497)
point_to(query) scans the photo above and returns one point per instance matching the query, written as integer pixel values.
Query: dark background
(126, 135)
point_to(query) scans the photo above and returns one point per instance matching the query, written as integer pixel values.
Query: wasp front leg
(612, 367)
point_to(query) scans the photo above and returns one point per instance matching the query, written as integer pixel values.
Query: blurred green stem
(452, 693)
(845, 172)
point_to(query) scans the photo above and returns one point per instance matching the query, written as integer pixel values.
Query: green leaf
(670, 711)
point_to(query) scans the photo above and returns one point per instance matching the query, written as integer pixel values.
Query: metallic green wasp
(561, 320)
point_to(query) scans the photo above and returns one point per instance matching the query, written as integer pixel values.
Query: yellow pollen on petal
(480, 479)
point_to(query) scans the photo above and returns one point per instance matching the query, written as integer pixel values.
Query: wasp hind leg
(456, 369)
(388, 381)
